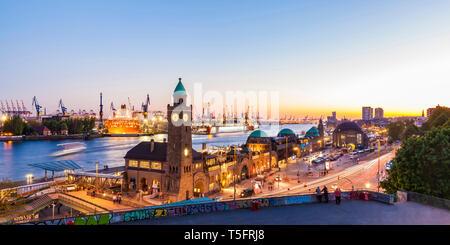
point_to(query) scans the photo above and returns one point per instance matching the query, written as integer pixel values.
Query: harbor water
(15, 156)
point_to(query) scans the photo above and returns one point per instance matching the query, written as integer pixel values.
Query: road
(356, 175)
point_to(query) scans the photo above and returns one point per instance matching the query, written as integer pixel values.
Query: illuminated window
(145, 164)
(156, 165)
(133, 163)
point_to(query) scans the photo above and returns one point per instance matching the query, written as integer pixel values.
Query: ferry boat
(69, 148)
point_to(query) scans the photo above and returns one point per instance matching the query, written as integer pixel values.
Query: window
(156, 165)
(133, 163)
(145, 164)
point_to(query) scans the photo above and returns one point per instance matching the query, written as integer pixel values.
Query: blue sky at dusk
(321, 56)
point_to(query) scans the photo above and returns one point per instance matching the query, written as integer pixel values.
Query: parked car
(247, 193)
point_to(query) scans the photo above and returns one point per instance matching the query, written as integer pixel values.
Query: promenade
(350, 212)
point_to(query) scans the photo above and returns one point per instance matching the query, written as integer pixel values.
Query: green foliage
(395, 130)
(14, 125)
(422, 165)
(72, 125)
(439, 117)
(410, 130)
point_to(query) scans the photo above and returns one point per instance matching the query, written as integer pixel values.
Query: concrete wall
(204, 208)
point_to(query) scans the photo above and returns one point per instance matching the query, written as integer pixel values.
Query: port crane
(145, 106)
(63, 108)
(37, 106)
(113, 109)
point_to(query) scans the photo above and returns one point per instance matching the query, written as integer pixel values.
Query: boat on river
(69, 148)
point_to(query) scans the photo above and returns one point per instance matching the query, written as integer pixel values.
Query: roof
(258, 134)
(179, 90)
(142, 152)
(40, 129)
(312, 132)
(347, 126)
(286, 131)
(57, 166)
(88, 174)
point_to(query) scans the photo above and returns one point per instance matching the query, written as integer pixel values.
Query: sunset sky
(321, 56)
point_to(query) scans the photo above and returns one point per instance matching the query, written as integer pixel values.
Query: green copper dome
(313, 132)
(285, 131)
(258, 134)
(179, 90)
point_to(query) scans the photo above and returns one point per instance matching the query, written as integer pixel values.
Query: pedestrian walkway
(110, 205)
(349, 212)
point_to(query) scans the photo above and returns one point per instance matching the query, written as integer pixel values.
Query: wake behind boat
(69, 148)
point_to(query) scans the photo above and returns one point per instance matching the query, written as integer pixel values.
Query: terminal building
(172, 170)
(349, 135)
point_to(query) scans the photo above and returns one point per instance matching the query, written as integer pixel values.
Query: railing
(429, 200)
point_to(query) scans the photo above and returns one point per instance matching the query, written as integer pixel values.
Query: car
(247, 193)
(389, 165)
(318, 160)
(218, 199)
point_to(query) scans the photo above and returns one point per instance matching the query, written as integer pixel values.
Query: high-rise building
(429, 111)
(334, 115)
(379, 113)
(367, 113)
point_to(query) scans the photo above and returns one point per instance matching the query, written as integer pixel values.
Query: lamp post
(234, 174)
(378, 173)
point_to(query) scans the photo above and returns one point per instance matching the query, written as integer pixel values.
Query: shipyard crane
(37, 106)
(113, 109)
(63, 108)
(13, 107)
(2, 108)
(145, 106)
(23, 106)
(101, 109)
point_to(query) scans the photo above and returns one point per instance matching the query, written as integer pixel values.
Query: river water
(15, 156)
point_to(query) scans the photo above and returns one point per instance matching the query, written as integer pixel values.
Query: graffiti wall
(204, 208)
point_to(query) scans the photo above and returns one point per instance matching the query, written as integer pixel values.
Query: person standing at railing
(325, 193)
(319, 194)
(337, 194)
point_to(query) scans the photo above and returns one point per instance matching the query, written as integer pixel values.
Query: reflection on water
(15, 156)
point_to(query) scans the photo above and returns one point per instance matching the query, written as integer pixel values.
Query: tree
(410, 130)
(422, 165)
(395, 130)
(439, 117)
(14, 125)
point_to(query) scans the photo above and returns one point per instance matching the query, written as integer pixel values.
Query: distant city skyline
(321, 56)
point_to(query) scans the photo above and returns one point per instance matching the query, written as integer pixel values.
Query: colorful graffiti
(156, 212)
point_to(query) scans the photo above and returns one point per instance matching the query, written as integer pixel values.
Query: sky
(321, 56)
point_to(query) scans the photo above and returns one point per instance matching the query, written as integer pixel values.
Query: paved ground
(348, 213)
(101, 202)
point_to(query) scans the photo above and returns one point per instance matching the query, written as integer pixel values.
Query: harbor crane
(37, 106)
(145, 106)
(14, 110)
(2, 108)
(113, 109)
(63, 108)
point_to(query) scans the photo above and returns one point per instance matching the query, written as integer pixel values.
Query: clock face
(185, 117)
(174, 117)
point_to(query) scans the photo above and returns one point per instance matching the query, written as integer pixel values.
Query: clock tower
(179, 147)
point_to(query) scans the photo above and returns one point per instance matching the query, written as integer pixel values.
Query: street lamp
(378, 173)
